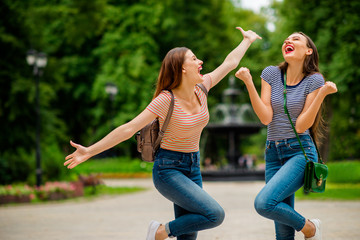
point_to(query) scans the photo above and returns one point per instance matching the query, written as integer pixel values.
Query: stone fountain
(230, 123)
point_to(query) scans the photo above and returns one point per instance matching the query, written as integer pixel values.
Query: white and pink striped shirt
(184, 129)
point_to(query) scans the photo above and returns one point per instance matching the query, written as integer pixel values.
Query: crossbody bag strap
(292, 125)
(291, 122)
(166, 122)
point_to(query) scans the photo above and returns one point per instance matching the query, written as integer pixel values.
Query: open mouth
(199, 69)
(289, 49)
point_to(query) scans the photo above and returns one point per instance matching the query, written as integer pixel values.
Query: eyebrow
(296, 36)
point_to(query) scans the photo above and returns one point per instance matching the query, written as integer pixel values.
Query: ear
(309, 51)
(183, 70)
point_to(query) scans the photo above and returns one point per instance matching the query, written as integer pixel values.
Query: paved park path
(126, 217)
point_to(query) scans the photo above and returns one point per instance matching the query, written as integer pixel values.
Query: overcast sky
(254, 5)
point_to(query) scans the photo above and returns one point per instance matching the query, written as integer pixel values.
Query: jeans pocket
(295, 145)
(165, 163)
(267, 146)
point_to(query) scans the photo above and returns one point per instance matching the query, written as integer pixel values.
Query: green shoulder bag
(315, 173)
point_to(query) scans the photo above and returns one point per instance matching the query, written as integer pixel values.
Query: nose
(287, 41)
(201, 62)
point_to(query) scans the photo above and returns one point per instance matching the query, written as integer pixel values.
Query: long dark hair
(311, 66)
(170, 75)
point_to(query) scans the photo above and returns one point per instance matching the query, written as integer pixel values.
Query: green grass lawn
(115, 167)
(344, 172)
(105, 190)
(343, 183)
(333, 191)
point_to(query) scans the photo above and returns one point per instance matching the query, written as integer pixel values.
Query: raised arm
(312, 105)
(118, 135)
(233, 58)
(261, 106)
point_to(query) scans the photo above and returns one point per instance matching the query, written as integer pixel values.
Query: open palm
(80, 155)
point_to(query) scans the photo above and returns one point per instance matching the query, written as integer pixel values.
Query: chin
(200, 79)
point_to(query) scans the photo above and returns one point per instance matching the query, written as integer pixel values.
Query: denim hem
(303, 225)
(167, 230)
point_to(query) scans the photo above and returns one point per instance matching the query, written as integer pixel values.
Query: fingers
(74, 144)
(68, 156)
(72, 165)
(243, 69)
(249, 33)
(242, 30)
(243, 73)
(67, 162)
(330, 87)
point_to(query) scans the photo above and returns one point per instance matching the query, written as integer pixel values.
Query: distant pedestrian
(285, 162)
(176, 171)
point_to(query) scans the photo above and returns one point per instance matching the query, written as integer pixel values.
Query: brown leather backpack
(149, 138)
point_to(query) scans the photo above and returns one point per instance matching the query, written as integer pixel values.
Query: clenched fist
(244, 74)
(329, 88)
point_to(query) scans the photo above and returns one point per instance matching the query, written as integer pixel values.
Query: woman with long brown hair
(176, 171)
(285, 162)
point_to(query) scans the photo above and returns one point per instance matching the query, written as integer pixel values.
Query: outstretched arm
(233, 58)
(261, 106)
(312, 105)
(118, 135)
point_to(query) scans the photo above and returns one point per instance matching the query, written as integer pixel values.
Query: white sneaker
(153, 227)
(317, 235)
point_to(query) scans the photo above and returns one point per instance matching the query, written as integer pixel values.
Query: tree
(91, 43)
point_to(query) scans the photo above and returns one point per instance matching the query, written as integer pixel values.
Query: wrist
(248, 82)
(246, 41)
(323, 93)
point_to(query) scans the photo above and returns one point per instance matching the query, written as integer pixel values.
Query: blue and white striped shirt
(280, 127)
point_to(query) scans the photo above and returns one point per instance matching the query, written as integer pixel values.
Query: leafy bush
(15, 167)
(15, 190)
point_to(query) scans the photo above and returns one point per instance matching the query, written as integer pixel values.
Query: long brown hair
(311, 66)
(170, 75)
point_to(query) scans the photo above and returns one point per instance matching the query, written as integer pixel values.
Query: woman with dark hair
(176, 171)
(285, 162)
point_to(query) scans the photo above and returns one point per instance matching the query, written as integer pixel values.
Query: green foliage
(15, 167)
(91, 43)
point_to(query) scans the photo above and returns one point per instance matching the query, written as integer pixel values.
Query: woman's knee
(217, 216)
(263, 205)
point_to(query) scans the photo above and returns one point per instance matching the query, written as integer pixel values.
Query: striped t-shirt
(280, 127)
(184, 129)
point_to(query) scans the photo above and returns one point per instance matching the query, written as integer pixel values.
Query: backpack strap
(166, 122)
(169, 114)
(200, 85)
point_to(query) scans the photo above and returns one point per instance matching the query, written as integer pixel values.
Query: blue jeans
(177, 177)
(284, 175)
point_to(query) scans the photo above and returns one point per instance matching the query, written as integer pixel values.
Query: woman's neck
(185, 91)
(294, 74)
